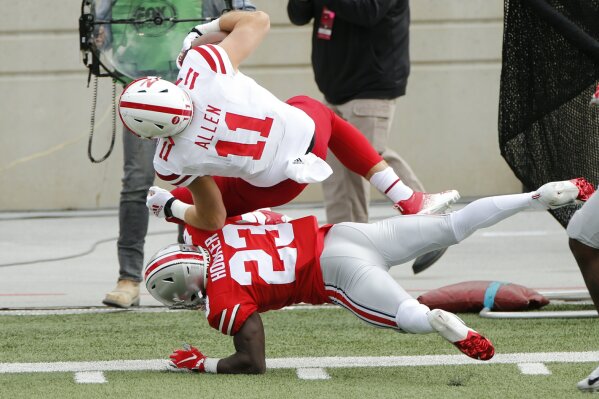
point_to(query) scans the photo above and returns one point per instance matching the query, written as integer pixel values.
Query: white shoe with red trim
(427, 204)
(453, 329)
(561, 193)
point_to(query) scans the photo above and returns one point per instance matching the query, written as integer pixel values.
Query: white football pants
(584, 225)
(356, 258)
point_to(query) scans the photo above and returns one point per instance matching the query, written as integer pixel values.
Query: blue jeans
(138, 176)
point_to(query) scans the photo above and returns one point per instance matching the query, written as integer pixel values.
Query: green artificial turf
(289, 333)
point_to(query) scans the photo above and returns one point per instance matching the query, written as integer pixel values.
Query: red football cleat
(585, 189)
(561, 193)
(453, 329)
(476, 346)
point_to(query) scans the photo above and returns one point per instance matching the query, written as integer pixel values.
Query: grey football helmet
(176, 276)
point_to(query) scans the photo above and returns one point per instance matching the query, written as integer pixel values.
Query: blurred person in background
(220, 131)
(138, 177)
(361, 63)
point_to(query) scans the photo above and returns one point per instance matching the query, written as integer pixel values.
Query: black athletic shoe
(591, 383)
(425, 261)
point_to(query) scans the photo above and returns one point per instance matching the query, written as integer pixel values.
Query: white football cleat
(453, 329)
(427, 204)
(561, 193)
(591, 383)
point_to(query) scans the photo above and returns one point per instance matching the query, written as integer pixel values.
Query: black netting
(550, 66)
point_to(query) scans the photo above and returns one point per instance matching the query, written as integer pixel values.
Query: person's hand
(273, 217)
(159, 202)
(191, 36)
(199, 30)
(263, 216)
(189, 358)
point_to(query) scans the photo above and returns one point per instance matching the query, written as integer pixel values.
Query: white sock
(388, 183)
(485, 212)
(412, 317)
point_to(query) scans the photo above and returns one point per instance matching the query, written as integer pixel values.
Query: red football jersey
(257, 267)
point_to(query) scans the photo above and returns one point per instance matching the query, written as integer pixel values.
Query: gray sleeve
(244, 5)
(214, 8)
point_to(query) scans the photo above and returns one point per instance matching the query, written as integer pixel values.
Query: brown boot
(125, 295)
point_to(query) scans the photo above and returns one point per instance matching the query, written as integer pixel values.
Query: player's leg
(486, 212)
(401, 239)
(356, 278)
(241, 197)
(356, 153)
(402, 168)
(347, 194)
(133, 219)
(350, 193)
(583, 233)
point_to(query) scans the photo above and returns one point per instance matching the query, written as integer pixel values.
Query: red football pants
(345, 141)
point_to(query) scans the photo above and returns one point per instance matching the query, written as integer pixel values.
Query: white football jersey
(239, 129)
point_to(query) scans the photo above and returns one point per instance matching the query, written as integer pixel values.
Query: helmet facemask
(176, 276)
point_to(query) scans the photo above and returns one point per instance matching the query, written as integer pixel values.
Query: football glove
(199, 30)
(159, 202)
(191, 36)
(189, 358)
(263, 216)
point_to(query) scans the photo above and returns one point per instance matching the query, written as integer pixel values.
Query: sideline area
(68, 259)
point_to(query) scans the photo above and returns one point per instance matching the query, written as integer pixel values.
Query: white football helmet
(152, 107)
(176, 276)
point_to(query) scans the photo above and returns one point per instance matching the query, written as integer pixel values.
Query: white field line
(312, 374)
(90, 377)
(533, 369)
(313, 362)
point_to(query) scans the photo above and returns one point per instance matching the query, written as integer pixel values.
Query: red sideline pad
(473, 296)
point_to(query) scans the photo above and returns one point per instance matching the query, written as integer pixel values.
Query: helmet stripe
(155, 108)
(164, 261)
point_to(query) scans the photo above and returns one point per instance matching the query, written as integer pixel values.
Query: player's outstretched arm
(249, 356)
(260, 216)
(208, 212)
(248, 29)
(244, 31)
